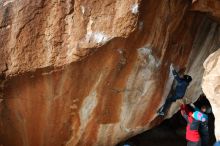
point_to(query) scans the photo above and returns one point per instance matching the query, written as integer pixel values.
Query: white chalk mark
(88, 106)
(100, 37)
(97, 37)
(146, 54)
(135, 8)
(144, 51)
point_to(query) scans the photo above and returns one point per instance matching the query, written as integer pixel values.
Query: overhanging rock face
(94, 72)
(211, 86)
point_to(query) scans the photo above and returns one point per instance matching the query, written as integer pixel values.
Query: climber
(201, 115)
(179, 91)
(192, 133)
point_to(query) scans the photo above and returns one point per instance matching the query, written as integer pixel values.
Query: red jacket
(192, 133)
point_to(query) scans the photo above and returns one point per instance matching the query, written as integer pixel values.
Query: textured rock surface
(211, 86)
(94, 72)
(212, 7)
(62, 31)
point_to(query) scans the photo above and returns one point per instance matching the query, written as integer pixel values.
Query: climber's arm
(183, 112)
(176, 75)
(194, 107)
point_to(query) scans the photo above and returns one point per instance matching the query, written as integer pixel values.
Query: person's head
(203, 109)
(206, 109)
(187, 78)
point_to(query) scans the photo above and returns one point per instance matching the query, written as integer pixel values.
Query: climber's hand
(180, 102)
(192, 105)
(172, 67)
(187, 100)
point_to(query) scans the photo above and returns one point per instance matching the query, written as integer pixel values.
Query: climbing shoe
(161, 113)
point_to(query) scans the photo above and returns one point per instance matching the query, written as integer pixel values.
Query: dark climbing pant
(167, 103)
(204, 132)
(190, 143)
(205, 140)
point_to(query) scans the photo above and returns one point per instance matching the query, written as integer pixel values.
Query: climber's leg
(165, 107)
(190, 143)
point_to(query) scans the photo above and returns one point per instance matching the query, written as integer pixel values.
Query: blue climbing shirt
(181, 86)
